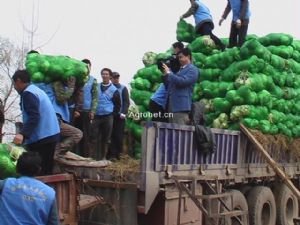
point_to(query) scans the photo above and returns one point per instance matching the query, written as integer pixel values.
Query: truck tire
(239, 202)
(245, 190)
(262, 207)
(286, 205)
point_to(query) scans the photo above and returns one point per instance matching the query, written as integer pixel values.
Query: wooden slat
(55, 178)
(88, 201)
(109, 184)
(271, 162)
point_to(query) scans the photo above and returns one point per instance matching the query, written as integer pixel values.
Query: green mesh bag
(276, 39)
(210, 74)
(278, 62)
(293, 66)
(149, 58)
(264, 126)
(221, 122)
(253, 47)
(198, 59)
(221, 105)
(296, 45)
(282, 51)
(251, 123)
(276, 117)
(282, 128)
(252, 65)
(233, 98)
(47, 68)
(185, 32)
(202, 44)
(239, 112)
(296, 56)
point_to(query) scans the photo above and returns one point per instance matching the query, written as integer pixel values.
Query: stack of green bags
(47, 68)
(257, 84)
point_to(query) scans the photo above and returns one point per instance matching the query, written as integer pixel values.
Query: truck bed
(169, 150)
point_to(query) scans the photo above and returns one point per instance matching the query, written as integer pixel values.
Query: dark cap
(115, 74)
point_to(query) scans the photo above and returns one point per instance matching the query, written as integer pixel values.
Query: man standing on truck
(116, 145)
(85, 109)
(240, 20)
(109, 104)
(180, 87)
(26, 200)
(40, 132)
(203, 20)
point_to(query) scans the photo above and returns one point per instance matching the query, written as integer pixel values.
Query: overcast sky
(117, 33)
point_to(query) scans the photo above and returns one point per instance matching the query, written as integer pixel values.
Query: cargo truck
(177, 184)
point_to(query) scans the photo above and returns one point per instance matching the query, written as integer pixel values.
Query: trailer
(177, 184)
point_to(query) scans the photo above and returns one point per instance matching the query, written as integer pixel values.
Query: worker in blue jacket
(157, 104)
(26, 200)
(180, 87)
(40, 132)
(240, 20)
(109, 105)
(203, 21)
(59, 95)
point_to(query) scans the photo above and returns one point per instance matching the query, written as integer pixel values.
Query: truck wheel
(245, 190)
(286, 205)
(239, 202)
(262, 207)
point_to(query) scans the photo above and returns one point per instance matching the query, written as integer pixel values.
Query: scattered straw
(121, 168)
(277, 144)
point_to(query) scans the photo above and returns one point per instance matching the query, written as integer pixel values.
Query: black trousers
(100, 136)
(206, 29)
(46, 151)
(117, 135)
(83, 123)
(157, 109)
(237, 36)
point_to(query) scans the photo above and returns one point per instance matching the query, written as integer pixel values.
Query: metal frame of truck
(168, 151)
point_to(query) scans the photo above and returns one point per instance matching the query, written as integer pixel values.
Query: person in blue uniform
(40, 132)
(26, 200)
(240, 21)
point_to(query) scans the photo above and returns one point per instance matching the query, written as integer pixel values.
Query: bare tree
(1, 119)
(11, 59)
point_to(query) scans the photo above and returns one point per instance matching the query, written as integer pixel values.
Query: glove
(91, 115)
(221, 21)
(238, 23)
(71, 82)
(76, 114)
(122, 116)
(18, 140)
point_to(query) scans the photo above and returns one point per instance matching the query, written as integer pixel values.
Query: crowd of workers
(60, 117)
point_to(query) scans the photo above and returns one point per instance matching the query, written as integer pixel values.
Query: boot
(105, 151)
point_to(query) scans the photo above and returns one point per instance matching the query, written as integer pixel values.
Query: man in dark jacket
(116, 146)
(85, 108)
(240, 20)
(180, 87)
